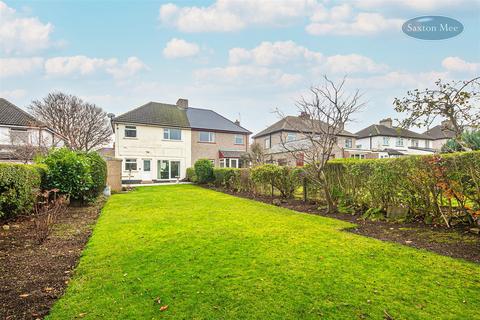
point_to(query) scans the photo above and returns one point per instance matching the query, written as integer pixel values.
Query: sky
(243, 59)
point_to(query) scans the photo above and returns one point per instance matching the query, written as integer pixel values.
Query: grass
(209, 255)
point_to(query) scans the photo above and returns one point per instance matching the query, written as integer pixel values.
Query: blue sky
(241, 58)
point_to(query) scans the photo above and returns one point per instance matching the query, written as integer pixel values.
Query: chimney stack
(182, 103)
(386, 122)
(237, 122)
(304, 115)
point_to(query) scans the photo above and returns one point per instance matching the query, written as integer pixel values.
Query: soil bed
(32, 275)
(455, 242)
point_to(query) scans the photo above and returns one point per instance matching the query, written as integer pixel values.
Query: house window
(399, 142)
(239, 139)
(348, 143)
(358, 146)
(291, 136)
(146, 165)
(172, 134)
(414, 143)
(130, 164)
(427, 144)
(357, 156)
(130, 132)
(212, 161)
(386, 141)
(206, 136)
(229, 163)
(268, 143)
(19, 136)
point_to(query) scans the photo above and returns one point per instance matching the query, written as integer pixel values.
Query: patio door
(168, 169)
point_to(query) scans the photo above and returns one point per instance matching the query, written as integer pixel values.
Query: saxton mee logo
(432, 27)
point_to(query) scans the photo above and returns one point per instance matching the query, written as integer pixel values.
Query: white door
(147, 170)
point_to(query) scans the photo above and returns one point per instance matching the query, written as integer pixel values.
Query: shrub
(70, 173)
(98, 171)
(191, 176)
(284, 179)
(204, 171)
(226, 177)
(19, 185)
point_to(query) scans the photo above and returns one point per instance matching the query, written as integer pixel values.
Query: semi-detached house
(158, 141)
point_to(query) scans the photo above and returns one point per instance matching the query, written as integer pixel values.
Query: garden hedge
(19, 185)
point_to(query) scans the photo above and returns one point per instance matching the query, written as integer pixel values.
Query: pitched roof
(381, 130)
(12, 115)
(292, 123)
(162, 114)
(155, 113)
(440, 132)
(209, 119)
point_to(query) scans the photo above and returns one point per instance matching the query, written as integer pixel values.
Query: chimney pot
(304, 115)
(237, 122)
(182, 103)
(387, 122)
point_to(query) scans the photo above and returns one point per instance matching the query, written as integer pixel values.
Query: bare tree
(458, 102)
(84, 125)
(256, 154)
(324, 113)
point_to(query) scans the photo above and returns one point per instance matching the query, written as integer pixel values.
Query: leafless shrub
(49, 207)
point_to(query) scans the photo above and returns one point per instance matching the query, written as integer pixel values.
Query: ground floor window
(168, 169)
(130, 164)
(229, 163)
(358, 156)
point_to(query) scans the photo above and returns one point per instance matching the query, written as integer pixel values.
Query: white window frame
(291, 136)
(267, 143)
(131, 129)
(399, 142)
(227, 162)
(211, 136)
(130, 161)
(23, 137)
(239, 139)
(167, 134)
(415, 143)
(427, 144)
(348, 143)
(386, 141)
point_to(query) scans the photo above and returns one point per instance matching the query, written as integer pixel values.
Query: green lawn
(209, 255)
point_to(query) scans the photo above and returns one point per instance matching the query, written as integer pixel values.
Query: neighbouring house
(440, 134)
(21, 135)
(389, 141)
(158, 141)
(288, 134)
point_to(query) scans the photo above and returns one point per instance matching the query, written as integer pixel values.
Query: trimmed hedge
(436, 188)
(19, 185)
(80, 175)
(204, 171)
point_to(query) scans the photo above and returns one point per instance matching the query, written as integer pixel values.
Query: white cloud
(398, 79)
(19, 66)
(456, 64)
(82, 65)
(363, 24)
(22, 35)
(76, 65)
(271, 53)
(353, 63)
(422, 5)
(13, 94)
(239, 75)
(178, 48)
(132, 66)
(227, 15)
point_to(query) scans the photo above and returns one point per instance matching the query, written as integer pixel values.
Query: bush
(98, 171)
(19, 185)
(191, 176)
(284, 179)
(71, 173)
(226, 177)
(204, 171)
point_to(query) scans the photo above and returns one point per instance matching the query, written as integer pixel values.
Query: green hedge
(98, 170)
(19, 185)
(191, 176)
(204, 171)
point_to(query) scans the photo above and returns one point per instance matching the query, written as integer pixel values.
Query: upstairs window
(267, 143)
(386, 141)
(399, 142)
(348, 143)
(19, 136)
(206, 136)
(291, 136)
(239, 139)
(172, 134)
(130, 132)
